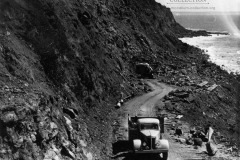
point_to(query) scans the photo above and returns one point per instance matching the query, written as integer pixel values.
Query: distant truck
(144, 69)
(146, 135)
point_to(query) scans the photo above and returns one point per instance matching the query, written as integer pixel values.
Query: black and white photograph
(119, 80)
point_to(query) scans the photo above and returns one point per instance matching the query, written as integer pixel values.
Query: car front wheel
(165, 156)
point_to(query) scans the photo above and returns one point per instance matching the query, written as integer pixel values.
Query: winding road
(145, 105)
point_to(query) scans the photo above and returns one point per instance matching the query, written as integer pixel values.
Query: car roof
(148, 120)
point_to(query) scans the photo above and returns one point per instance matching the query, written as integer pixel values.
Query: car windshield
(149, 126)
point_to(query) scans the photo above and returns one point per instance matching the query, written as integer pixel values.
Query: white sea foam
(223, 50)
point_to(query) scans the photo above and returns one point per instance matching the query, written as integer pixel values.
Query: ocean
(224, 50)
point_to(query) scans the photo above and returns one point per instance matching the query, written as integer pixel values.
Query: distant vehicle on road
(144, 69)
(146, 135)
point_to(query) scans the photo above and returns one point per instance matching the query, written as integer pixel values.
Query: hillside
(64, 65)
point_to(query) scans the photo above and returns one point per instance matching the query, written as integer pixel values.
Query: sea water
(224, 50)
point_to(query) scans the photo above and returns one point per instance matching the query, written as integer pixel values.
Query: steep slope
(64, 64)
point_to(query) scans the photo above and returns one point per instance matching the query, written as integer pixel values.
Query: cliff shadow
(123, 148)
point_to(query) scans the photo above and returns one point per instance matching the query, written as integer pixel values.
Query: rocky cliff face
(64, 64)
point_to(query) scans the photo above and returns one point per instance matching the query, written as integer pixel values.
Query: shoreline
(224, 61)
(206, 94)
(210, 32)
(217, 32)
(196, 33)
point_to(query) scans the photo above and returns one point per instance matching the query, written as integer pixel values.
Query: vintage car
(146, 135)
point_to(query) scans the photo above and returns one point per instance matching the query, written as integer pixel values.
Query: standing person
(210, 147)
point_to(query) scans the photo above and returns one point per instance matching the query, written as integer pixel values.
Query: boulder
(181, 140)
(204, 83)
(9, 117)
(197, 141)
(190, 141)
(211, 88)
(178, 132)
(211, 149)
(184, 71)
(69, 124)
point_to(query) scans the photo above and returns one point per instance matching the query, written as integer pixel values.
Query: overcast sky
(202, 5)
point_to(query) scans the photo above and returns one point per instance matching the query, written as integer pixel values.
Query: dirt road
(145, 105)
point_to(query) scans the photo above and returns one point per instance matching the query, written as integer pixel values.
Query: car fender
(162, 144)
(137, 144)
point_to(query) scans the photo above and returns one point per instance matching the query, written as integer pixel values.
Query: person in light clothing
(210, 147)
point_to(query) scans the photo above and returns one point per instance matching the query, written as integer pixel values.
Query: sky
(202, 5)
